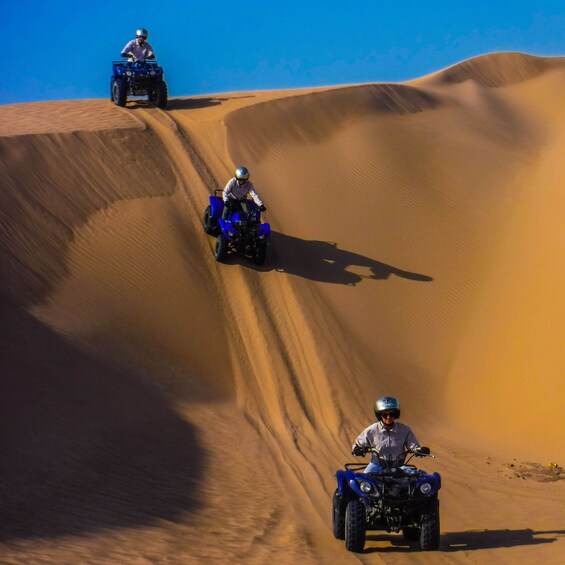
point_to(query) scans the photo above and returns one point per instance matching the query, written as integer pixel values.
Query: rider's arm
(228, 189)
(411, 442)
(358, 448)
(365, 439)
(363, 442)
(255, 196)
(126, 51)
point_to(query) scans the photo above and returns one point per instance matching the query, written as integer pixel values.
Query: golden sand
(159, 407)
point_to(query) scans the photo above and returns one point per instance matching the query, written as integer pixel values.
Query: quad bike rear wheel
(221, 248)
(260, 253)
(210, 223)
(411, 533)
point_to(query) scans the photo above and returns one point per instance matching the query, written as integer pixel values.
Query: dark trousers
(232, 206)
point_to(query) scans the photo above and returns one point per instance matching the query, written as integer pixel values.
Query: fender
(217, 206)
(342, 485)
(227, 228)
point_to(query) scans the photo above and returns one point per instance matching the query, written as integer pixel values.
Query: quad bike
(397, 498)
(137, 78)
(241, 233)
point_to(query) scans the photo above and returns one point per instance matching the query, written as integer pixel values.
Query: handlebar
(402, 459)
(128, 61)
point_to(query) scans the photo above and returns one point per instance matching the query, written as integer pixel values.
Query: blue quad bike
(241, 233)
(137, 78)
(398, 498)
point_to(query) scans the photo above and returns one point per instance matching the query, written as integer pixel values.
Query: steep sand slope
(158, 407)
(451, 195)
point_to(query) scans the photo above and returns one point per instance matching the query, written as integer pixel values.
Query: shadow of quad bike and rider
(324, 261)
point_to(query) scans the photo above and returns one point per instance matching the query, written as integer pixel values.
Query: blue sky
(63, 49)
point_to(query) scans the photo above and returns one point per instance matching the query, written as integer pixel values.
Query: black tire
(210, 223)
(411, 533)
(119, 91)
(260, 253)
(355, 526)
(429, 532)
(221, 248)
(338, 517)
(160, 94)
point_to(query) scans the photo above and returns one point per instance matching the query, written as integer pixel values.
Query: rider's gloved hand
(262, 208)
(358, 450)
(421, 451)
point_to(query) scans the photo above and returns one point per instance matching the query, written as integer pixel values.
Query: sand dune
(159, 407)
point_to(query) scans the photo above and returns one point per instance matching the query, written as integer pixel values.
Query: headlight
(129, 73)
(425, 488)
(365, 487)
(153, 73)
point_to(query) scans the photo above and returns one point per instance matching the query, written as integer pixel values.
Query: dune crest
(497, 69)
(294, 121)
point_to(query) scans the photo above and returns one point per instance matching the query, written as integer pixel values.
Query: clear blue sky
(63, 49)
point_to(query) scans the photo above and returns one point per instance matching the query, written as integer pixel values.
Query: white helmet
(387, 403)
(242, 173)
(142, 32)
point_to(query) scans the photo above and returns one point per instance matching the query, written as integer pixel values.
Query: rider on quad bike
(236, 220)
(236, 191)
(386, 435)
(140, 75)
(139, 49)
(388, 494)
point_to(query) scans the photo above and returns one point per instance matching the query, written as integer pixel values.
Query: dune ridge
(159, 407)
(497, 69)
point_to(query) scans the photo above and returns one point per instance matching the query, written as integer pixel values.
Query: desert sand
(158, 407)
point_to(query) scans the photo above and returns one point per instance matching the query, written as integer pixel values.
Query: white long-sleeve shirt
(390, 443)
(240, 192)
(140, 52)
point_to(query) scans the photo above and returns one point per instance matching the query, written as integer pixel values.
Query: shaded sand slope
(158, 407)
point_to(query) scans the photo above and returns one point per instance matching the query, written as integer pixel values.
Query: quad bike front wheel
(159, 94)
(429, 532)
(119, 91)
(355, 526)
